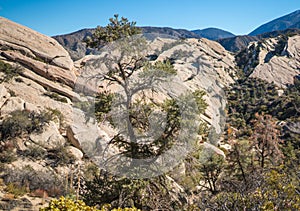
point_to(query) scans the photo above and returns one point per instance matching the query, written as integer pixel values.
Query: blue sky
(55, 17)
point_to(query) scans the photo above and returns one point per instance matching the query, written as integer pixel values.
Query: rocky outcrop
(45, 70)
(278, 60)
(12, 104)
(49, 138)
(201, 64)
(45, 67)
(31, 43)
(40, 57)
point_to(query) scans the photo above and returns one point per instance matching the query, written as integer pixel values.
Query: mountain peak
(291, 20)
(213, 33)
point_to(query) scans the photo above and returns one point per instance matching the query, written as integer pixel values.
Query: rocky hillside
(43, 134)
(36, 94)
(74, 44)
(50, 144)
(238, 43)
(272, 59)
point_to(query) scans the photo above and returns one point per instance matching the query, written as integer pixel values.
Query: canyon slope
(39, 75)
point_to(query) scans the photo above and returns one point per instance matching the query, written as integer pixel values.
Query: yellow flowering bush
(66, 204)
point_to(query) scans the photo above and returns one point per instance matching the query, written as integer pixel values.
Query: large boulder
(49, 138)
(17, 37)
(12, 104)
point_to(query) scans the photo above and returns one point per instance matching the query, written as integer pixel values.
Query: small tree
(266, 140)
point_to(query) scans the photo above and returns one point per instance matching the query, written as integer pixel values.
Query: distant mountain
(296, 26)
(213, 33)
(73, 42)
(291, 20)
(235, 44)
(177, 33)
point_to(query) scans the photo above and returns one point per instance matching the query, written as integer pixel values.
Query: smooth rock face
(75, 152)
(42, 47)
(49, 138)
(12, 104)
(47, 71)
(4, 95)
(280, 67)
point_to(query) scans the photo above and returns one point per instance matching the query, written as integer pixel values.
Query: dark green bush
(60, 156)
(7, 156)
(103, 104)
(9, 71)
(57, 97)
(34, 151)
(23, 122)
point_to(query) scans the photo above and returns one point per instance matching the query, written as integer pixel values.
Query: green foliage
(34, 180)
(35, 152)
(9, 71)
(246, 99)
(60, 156)
(145, 194)
(115, 30)
(201, 104)
(165, 66)
(103, 103)
(23, 122)
(16, 189)
(56, 97)
(55, 115)
(7, 156)
(256, 96)
(247, 59)
(210, 168)
(275, 192)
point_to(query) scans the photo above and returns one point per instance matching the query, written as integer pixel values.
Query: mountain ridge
(290, 20)
(213, 33)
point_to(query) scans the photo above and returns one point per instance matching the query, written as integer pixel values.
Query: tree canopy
(116, 29)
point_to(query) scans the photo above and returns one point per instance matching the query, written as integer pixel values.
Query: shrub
(55, 113)
(34, 180)
(77, 205)
(16, 189)
(7, 156)
(103, 104)
(23, 122)
(34, 151)
(164, 66)
(60, 156)
(67, 204)
(116, 29)
(9, 71)
(56, 97)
